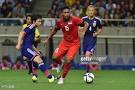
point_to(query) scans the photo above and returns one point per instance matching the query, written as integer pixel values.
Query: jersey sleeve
(28, 29)
(57, 25)
(85, 19)
(78, 21)
(99, 24)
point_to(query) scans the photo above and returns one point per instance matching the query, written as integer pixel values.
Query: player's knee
(37, 59)
(69, 60)
(88, 54)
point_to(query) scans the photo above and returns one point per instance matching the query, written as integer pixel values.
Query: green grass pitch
(104, 80)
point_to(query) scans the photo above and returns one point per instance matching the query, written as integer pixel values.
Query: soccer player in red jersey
(70, 43)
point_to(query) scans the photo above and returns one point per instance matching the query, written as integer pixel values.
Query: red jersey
(69, 28)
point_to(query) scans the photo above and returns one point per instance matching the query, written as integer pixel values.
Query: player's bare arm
(20, 40)
(98, 32)
(54, 31)
(83, 28)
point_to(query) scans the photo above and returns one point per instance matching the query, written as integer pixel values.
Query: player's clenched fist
(46, 41)
(18, 47)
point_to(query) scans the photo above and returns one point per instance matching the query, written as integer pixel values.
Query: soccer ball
(88, 78)
(34, 78)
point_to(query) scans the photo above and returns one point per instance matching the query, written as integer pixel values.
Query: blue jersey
(29, 37)
(93, 25)
(89, 42)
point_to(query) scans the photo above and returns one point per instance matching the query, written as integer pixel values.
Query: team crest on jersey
(94, 24)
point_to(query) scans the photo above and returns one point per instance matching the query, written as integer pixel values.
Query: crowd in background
(106, 9)
(7, 63)
(15, 8)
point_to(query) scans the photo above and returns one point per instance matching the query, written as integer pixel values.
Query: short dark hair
(28, 16)
(65, 7)
(35, 17)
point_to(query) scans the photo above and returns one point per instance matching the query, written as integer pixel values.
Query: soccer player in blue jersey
(33, 67)
(92, 28)
(25, 45)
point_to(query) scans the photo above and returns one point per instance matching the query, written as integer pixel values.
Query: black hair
(25, 22)
(35, 17)
(6, 58)
(19, 58)
(28, 16)
(65, 7)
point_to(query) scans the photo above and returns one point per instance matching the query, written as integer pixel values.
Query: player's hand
(39, 53)
(94, 34)
(46, 41)
(18, 47)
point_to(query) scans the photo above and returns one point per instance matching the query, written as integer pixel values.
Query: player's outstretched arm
(83, 29)
(20, 40)
(35, 49)
(50, 35)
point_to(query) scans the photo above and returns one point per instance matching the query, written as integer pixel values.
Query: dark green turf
(104, 80)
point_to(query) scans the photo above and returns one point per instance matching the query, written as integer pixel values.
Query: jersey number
(66, 28)
(90, 28)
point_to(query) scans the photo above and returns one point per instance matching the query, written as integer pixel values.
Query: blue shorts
(29, 53)
(89, 44)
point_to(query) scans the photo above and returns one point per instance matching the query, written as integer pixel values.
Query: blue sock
(42, 67)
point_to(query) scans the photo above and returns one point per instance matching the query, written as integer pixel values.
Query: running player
(25, 43)
(70, 43)
(32, 66)
(93, 27)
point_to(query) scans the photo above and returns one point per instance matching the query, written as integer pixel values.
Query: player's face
(66, 14)
(38, 22)
(28, 20)
(91, 11)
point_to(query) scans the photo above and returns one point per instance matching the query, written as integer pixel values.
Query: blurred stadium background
(117, 42)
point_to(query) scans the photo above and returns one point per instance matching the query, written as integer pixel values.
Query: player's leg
(32, 55)
(35, 68)
(56, 64)
(35, 65)
(30, 67)
(37, 59)
(35, 72)
(88, 54)
(72, 51)
(29, 63)
(58, 55)
(89, 49)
